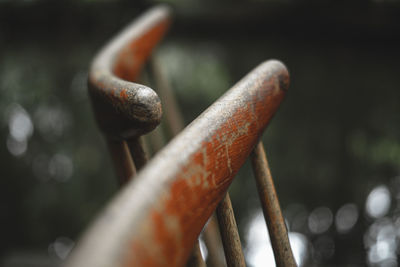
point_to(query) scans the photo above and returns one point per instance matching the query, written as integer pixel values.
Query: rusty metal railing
(157, 217)
(126, 110)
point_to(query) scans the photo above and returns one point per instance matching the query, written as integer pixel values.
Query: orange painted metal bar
(271, 209)
(176, 125)
(125, 110)
(156, 218)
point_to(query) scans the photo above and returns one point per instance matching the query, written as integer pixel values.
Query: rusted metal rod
(173, 114)
(230, 235)
(138, 152)
(126, 110)
(271, 209)
(176, 124)
(156, 219)
(122, 160)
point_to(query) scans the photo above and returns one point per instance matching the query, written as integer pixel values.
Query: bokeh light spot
(378, 202)
(61, 247)
(61, 167)
(259, 251)
(19, 123)
(346, 218)
(320, 220)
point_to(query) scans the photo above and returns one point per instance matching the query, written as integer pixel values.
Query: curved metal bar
(176, 124)
(157, 217)
(125, 109)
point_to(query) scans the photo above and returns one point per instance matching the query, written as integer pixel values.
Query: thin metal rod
(153, 141)
(173, 114)
(272, 211)
(156, 219)
(123, 109)
(156, 140)
(229, 233)
(122, 160)
(138, 152)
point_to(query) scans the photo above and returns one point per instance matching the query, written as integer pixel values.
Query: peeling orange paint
(123, 94)
(190, 202)
(167, 223)
(132, 57)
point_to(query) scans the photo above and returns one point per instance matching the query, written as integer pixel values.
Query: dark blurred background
(333, 146)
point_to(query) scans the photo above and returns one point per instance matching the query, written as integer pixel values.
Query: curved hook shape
(125, 109)
(156, 218)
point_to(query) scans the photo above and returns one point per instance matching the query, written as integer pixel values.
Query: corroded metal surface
(125, 109)
(176, 124)
(157, 217)
(272, 211)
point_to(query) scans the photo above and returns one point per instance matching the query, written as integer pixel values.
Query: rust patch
(202, 181)
(201, 184)
(123, 95)
(168, 221)
(163, 235)
(130, 60)
(120, 111)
